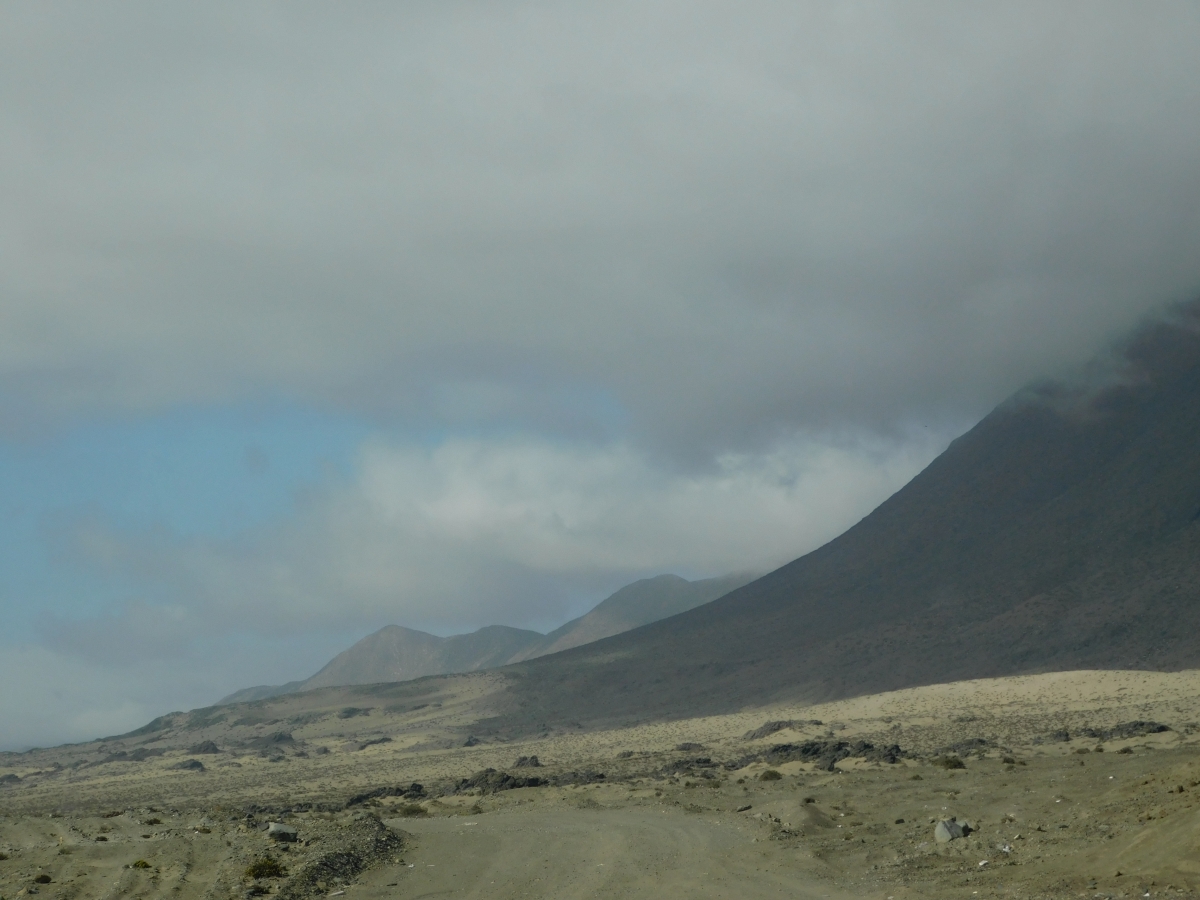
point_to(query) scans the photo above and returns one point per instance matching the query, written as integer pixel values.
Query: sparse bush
(64, 851)
(101, 838)
(1009, 761)
(265, 868)
(949, 762)
(140, 864)
(3, 855)
(411, 810)
(770, 775)
(1125, 750)
(153, 821)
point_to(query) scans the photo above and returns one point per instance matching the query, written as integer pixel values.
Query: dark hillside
(1062, 532)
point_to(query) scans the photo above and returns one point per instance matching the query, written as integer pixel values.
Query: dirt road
(577, 853)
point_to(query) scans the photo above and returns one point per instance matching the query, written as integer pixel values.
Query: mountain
(1062, 532)
(640, 603)
(401, 654)
(395, 653)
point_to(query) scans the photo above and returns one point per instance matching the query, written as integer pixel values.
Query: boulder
(949, 830)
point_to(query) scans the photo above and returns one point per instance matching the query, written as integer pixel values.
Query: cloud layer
(711, 222)
(471, 533)
(613, 288)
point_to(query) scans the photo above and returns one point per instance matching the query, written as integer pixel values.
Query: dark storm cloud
(716, 223)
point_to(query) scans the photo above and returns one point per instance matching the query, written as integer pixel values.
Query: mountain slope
(1062, 532)
(395, 653)
(400, 654)
(640, 603)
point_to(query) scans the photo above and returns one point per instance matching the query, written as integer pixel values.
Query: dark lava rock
(9, 779)
(826, 754)
(276, 739)
(204, 747)
(689, 747)
(1128, 730)
(1117, 732)
(364, 843)
(523, 762)
(490, 781)
(769, 728)
(139, 755)
(371, 743)
(189, 765)
(588, 776)
(472, 741)
(413, 792)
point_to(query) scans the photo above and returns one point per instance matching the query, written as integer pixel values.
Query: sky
(316, 318)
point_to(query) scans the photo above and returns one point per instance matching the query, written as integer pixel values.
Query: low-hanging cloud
(470, 532)
(658, 286)
(716, 221)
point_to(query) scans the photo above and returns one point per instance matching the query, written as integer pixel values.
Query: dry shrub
(265, 868)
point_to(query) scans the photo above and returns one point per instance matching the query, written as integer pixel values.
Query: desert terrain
(1077, 784)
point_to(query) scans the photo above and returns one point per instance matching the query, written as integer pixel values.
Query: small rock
(277, 831)
(744, 808)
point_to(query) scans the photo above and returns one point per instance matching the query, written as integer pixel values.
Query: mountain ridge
(1061, 532)
(397, 653)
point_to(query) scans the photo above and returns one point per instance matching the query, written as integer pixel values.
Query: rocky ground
(1069, 785)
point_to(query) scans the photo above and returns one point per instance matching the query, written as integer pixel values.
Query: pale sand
(656, 827)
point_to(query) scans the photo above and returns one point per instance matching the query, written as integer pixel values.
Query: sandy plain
(1069, 785)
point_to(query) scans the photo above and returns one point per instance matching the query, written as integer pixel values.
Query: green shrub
(769, 775)
(140, 864)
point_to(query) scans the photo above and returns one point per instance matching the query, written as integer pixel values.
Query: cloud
(620, 288)
(715, 223)
(471, 532)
